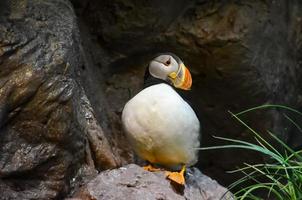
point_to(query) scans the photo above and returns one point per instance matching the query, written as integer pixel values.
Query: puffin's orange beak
(182, 78)
(187, 82)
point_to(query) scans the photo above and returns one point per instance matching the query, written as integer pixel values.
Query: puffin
(160, 125)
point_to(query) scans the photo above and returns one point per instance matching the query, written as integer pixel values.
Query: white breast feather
(162, 127)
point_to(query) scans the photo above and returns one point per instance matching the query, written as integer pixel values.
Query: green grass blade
(283, 172)
(285, 145)
(269, 106)
(293, 122)
(244, 145)
(255, 133)
(266, 186)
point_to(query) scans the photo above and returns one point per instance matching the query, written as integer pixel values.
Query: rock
(241, 54)
(132, 182)
(48, 131)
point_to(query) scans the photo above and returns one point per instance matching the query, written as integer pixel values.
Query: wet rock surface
(132, 182)
(47, 127)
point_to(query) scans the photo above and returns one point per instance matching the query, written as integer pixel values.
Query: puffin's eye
(168, 62)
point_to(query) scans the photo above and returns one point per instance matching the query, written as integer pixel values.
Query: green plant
(280, 178)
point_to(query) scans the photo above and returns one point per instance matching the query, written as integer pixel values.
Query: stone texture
(241, 54)
(132, 182)
(48, 131)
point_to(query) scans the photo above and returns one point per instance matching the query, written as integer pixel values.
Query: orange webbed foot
(177, 177)
(150, 168)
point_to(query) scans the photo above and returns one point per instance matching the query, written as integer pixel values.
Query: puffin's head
(170, 68)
